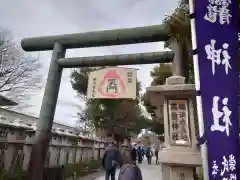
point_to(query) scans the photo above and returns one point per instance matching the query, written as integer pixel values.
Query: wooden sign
(112, 83)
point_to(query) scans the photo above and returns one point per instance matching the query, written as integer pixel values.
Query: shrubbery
(81, 169)
(17, 174)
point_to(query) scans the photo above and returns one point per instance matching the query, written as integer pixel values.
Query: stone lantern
(180, 154)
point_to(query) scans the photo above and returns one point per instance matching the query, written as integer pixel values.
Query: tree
(119, 117)
(178, 25)
(79, 80)
(156, 127)
(160, 72)
(178, 28)
(18, 74)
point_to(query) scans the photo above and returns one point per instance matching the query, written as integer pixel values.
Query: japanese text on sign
(94, 87)
(225, 115)
(218, 56)
(112, 85)
(217, 47)
(129, 74)
(227, 168)
(218, 10)
(182, 176)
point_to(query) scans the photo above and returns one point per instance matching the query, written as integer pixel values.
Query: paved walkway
(149, 172)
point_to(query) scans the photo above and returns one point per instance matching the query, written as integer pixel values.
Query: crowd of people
(127, 160)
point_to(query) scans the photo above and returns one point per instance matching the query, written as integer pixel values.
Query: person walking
(156, 155)
(143, 152)
(111, 159)
(134, 154)
(149, 155)
(129, 169)
(139, 153)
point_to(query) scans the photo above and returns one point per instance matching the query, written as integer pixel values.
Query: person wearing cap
(129, 169)
(111, 159)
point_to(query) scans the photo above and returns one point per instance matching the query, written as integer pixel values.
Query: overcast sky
(49, 17)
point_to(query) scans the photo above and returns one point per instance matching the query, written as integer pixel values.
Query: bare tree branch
(19, 74)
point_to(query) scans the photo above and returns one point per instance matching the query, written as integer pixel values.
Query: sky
(27, 18)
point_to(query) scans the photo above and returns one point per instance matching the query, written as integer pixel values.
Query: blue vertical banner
(217, 44)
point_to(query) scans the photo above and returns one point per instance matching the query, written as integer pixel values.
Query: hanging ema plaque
(112, 83)
(178, 121)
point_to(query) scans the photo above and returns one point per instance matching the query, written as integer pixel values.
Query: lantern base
(181, 156)
(177, 172)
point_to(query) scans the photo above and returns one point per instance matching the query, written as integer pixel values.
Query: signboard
(112, 83)
(217, 44)
(179, 122)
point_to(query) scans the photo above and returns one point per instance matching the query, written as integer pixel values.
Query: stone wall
(66, 145)
(17, 154)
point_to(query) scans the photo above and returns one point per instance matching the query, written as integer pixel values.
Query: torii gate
(59, 44)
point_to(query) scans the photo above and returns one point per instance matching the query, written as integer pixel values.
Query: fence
(17, 154)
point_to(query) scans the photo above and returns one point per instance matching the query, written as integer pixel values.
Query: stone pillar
(180, 155)
(180, 60)
(178, 69)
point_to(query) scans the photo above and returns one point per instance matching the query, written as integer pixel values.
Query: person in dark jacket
(134, 154)
(129, 170)
(149, 155)
(139, 153)
(111, 159)
(156, 155)
(143, 152)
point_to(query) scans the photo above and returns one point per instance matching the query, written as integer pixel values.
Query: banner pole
(203, 147)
